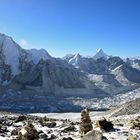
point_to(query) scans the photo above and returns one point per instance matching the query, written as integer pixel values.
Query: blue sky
(74, 26)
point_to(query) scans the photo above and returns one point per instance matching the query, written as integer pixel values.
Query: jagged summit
(68, 56)
(77, 56)
(76, 59)
(12, 52)
(99, 50)
(100, 54)
(37, 54)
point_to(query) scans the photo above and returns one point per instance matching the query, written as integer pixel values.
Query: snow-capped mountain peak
(75, 59)
(14, 59)
(100, 54)
(100, 50)
(77, 56)
(67, 57)
(36, 55)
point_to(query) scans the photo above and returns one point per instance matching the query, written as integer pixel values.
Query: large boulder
(93, 135)
(104, 125)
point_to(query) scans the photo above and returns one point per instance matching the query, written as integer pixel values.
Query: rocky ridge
(31, 75)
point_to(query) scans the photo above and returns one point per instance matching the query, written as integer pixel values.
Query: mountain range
(36, 72)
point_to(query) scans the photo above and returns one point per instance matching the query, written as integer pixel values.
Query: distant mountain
(100, 54)
(20, 68)
(14, 59)
(36, 55)
(35, 71)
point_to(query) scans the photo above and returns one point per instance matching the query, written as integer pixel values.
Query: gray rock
(69, 129)
(43, 136)
(69, 138)
(51, 124)
(93, 135)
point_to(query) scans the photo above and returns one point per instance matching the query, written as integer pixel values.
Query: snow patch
(117, 68)
(11, 53)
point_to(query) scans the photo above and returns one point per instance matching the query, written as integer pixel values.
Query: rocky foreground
(57, 127)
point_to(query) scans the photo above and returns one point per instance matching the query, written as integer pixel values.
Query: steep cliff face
(15, 60)
(51, 76)
(57, 76)
(9, 54)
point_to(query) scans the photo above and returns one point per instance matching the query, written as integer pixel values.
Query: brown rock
(131, 138)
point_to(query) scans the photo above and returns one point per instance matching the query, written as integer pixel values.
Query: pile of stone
(85, 123)
(105, 125)
(134, 124)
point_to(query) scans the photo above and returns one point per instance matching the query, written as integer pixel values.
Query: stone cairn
(85, 123)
